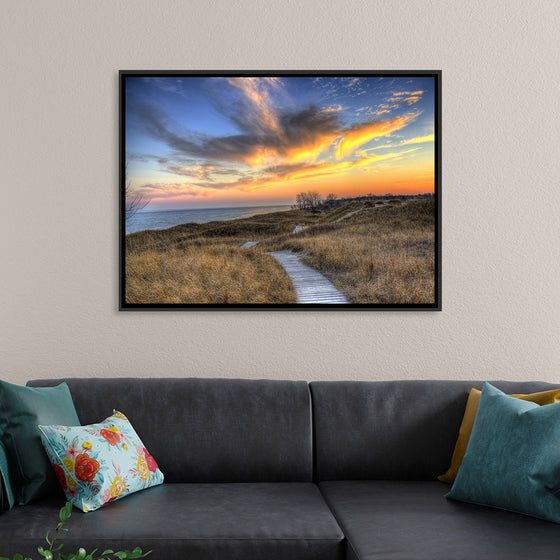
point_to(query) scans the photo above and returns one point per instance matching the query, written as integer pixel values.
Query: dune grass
(341, 212)
(206, 273)
(204, 263)
(381, 254)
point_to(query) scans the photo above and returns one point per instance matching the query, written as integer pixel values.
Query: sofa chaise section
(379, 449)
(411, 520)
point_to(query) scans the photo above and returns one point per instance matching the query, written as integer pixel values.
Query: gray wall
(501, 196)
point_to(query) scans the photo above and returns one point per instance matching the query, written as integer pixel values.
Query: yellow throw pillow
(541, 398)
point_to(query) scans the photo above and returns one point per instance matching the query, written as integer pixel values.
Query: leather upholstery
(256, 436)
(272, 521)
(413, 521)
(209, 430)
(396, 430)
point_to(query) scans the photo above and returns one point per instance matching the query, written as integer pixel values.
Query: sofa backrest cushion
(399, 430)
(208, 430)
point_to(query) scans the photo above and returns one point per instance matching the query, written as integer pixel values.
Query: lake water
(168, 218)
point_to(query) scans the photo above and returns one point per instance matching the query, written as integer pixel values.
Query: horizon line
(386, 195)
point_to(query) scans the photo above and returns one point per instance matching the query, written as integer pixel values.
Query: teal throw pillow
(7, 497)
(513, 457)
(100, 463)
(21, 410)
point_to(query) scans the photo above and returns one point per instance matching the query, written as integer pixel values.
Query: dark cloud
(147, 157)
(295, 130)
(204, 171)
(309, 125)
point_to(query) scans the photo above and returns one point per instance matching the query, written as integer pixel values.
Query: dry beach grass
(206, 273)
(379, 254)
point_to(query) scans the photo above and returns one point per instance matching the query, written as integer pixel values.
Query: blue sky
(194, 142)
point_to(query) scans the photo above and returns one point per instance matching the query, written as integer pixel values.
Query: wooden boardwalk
(311, 286)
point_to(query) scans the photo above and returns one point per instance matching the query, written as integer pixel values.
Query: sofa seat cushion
(192, 521)
(411, 520)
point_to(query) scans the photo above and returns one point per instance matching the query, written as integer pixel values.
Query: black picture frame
(435, 75)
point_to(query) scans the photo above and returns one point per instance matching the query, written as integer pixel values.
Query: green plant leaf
(46, 554)
(4, 558)
(65, 512)
(68, 508)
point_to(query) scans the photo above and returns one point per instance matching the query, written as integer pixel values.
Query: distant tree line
(313, 201)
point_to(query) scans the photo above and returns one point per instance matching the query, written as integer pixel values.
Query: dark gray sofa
(285, 470)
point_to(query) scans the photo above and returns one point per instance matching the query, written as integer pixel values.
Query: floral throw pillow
(99, 463)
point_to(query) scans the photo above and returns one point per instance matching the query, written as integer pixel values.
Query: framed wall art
(280, 190)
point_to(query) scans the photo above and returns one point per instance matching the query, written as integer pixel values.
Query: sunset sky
(203, 142)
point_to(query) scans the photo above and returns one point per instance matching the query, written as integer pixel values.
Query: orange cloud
(312, 150)
(414, 96)
(162, 191)
(260, 156)
(288, 154)
(363, 133)
(419, 140)
(408, 93)
(341, 167)
(411, 100)
(283, 175)
(282, 182)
